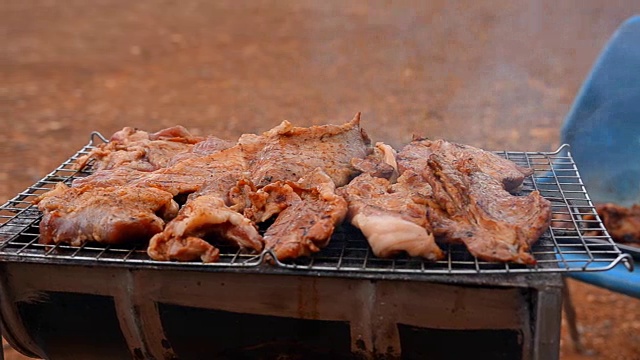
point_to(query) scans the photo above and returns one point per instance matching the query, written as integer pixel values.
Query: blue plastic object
(603, 126)
(618, 279)
(603, 130)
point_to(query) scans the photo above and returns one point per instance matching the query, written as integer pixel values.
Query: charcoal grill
(104, 301)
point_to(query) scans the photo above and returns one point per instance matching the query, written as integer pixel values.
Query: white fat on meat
(391, 216)
(389, 235)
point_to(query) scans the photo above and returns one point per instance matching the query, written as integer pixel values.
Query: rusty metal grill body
(104, 302)
(564, 247)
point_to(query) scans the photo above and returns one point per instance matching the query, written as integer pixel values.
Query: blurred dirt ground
(495, 74)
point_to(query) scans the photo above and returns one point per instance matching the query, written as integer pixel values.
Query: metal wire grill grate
(572, 243)
(19, 229)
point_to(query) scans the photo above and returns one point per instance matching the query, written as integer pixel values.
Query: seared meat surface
(185, 172)
(415, 155)
(292, 152)
(380, 163)
(206, 147)
(219, 170)
(140, 150)
(212, 175)
(202, 220)
(108, 215)
(448, 193)
(274, 161)
(471, 207)
(622, 223)
(119, 176)
(308, 212)
(392, 217)
(189, 195)
(206, 217)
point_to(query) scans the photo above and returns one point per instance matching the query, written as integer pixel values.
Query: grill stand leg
(140, 321)
(18, 336)
(155, 338)
(385, 334)
(128, 319)
(547, 318)
(361, 339)
(149, 319)
(374, 331)
(570, 313)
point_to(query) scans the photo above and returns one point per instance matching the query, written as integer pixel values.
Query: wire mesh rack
(20, 232)
(574, 241)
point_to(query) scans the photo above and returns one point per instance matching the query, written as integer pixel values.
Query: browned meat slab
(140, 150)
(471, 207)
(202, 221)
(380, 163)
(415, 155)
(190, 173)
(118, 176)
(291, 152)
(186, 176)
(220, 170)
(402, 202)
(449, 193)
(210, 212)
(622, 223)
(115, 190)
(185, 171)
(106, 215)
(308, 212)
(211, 173)
(206, 217)
(210, 145)
(392, 217)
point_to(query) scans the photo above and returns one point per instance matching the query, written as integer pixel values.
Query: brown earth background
(494, 74)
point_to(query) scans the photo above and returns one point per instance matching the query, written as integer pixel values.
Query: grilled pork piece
(276, 159)
(210, 145)
(297, 171)
(216, 172)
(380, 163)
(455, 193)
(107, 215)
(140, 150)
(622, 223)
(186, 176)
(197, 160)
(207, 216)
(221, 170)
(472, 207)
(291, 152)
(415, 155)
(202, 220)
(119, 176)
(135, 161)
(307, 213)
(392, 217)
